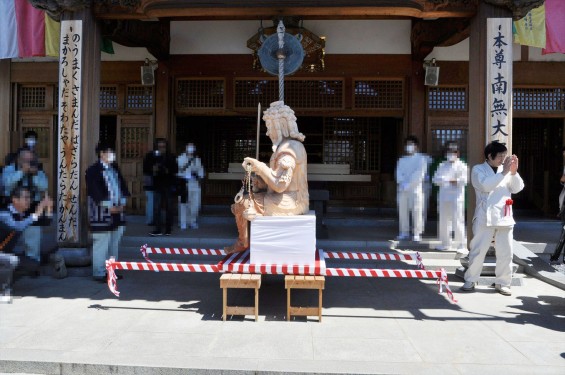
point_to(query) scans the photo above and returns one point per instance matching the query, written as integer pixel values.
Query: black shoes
(156, 233)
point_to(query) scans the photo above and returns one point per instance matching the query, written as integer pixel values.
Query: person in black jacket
(162, 167)
(106, 194)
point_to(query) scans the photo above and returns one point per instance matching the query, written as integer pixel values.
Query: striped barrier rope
(112, 265)
(440, 274)
(377, 272)
(178, 251)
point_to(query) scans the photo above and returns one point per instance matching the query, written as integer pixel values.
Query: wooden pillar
(90, 110)
(163, 108)
(476, 141)
(417, 110)
(5, 106)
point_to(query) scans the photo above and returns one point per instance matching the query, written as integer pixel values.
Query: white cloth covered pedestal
(283, 239)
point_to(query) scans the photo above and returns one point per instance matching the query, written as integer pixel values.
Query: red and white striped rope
(442, 281)
(165, 267)
(368, 256)
(376, 272)
(178, 251)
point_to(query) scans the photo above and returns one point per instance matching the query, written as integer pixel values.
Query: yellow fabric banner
(52, 36)
(530, 30)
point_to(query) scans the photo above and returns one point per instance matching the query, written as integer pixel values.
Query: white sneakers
(406, 236)
(469, 286)
(504, 290)
(462, 251)
(403, 236)
(6, 295)
(442, 248)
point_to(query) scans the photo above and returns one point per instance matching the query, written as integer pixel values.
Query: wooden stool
(304, 282)
(247, 281)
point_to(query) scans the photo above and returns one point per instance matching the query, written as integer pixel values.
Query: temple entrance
(538, 143)
(368, 145)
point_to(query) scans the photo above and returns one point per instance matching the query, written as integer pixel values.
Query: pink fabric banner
(554, 26)
(31, 29)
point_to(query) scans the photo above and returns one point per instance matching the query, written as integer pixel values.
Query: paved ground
(166, 323)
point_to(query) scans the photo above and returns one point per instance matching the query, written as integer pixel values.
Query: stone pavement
(170, 323)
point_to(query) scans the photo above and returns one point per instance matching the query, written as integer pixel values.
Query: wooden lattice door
(134, 137)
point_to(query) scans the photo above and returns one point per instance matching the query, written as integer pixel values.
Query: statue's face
(272, 130)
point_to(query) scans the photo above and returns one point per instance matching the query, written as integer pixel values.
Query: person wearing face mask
(410, 171)
(163, 169)
(451, 178)
(494, 181)
(25, 171)
(30, 143)
(107, 194)
(190, 173)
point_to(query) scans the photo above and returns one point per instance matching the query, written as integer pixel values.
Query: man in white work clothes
(190, 172)
(494, 182)
(451, 178)
(410, 171)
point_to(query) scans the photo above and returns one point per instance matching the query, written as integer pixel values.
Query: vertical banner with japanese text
(68, 136)
(499, 81)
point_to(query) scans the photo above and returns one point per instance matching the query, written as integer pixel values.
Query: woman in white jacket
(494, 182)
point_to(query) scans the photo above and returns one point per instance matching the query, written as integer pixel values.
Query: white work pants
(410, 201)
(482, 238)
(451, 218)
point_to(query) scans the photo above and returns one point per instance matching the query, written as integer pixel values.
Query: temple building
(188, 71)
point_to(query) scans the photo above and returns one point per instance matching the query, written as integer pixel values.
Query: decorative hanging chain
(281, 56)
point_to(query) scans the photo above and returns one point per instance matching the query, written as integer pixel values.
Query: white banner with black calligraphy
(499, 81)
(68, 167)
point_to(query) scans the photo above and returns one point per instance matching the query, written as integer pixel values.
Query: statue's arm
(280, 178)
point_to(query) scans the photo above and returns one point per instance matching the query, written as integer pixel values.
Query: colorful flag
(31, 29)
(530, 30)
(555, 26)
(26, 31)
(52, 36)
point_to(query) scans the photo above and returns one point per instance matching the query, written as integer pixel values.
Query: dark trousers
(560, 243)
(163, 200)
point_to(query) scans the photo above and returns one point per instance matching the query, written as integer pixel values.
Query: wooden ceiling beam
(261, 9)
(443, 32)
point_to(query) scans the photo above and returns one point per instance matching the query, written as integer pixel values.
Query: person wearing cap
(107, 194)
(494, 181)
(451, 178)
(410, 171)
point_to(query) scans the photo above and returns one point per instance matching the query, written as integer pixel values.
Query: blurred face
(108, 156)
(497, 160)
(162, 147)
(410, 147)
(22, 203)
(26, 158)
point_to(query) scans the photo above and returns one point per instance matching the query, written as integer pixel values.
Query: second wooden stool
(247, 281)
(304, 282)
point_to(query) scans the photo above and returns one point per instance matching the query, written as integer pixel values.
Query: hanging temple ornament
(313, 45)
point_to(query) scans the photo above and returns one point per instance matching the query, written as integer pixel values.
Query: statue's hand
(250, 162)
